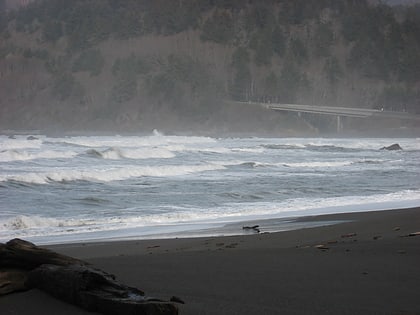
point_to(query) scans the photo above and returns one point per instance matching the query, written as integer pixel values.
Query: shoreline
(291, 220)
(300, 225)
(365, 265)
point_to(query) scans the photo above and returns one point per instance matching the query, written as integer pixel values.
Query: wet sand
(366, 265)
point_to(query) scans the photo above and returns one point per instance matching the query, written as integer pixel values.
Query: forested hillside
(132, 65)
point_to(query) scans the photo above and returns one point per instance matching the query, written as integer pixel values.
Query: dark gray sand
(366, 265)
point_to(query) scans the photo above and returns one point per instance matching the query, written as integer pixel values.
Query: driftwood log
(24, 266)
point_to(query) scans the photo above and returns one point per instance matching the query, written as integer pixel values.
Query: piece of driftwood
(13, 280)
(254, 228)
(22, 254)
(24, 266)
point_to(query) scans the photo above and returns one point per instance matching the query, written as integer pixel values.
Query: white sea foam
(22, 222)
(288, 208)
(22, 155)
(248, 150)
(319, 164)
(141, 153)
(19, 143)
(363, 144)
(108, 175)
(138, 177)
(132, 141)
(32, 226)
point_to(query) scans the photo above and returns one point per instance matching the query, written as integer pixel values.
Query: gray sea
(90, 188)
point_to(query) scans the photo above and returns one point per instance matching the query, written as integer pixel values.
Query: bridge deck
(337, 111)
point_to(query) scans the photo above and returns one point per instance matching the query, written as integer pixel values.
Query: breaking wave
(143, 153)
(27, 225)
(21, 155)
(108, 175)
(131, 141)
(19, 143)
(327, 164)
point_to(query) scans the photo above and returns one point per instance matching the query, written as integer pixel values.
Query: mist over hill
(136, 65)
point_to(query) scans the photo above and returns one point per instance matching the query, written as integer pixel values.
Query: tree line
(273, 44)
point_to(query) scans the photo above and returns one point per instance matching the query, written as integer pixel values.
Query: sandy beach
(368, 264)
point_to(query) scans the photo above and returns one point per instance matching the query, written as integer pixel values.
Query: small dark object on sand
(255, 228)
(348, 235)
(412, 234)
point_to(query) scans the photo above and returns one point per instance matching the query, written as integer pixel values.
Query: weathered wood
(22, 254)
(24, 265)
(13, 280)
(95, 290)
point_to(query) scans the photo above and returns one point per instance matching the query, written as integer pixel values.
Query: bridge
(335, 111)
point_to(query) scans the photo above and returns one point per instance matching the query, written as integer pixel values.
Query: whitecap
(22, 155)
(108, 175)
(319, 164)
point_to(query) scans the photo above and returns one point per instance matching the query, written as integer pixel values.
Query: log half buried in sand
(95, 291)
(13, 280)
(24, 266)
(22, 254)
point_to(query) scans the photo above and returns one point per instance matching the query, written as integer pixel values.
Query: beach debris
(24, 266)
(322, 247)
(348, 235)
(392, 147)
(377, 237)
(303, 246)
(254, 228)
(412, 234)
(397, 228)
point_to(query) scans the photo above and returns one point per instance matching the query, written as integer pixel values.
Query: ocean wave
(19, 143)
(21, 222)
(359, 144)
(372, 161)
(19, 155)
(36, 226)
(131, 141)
(326, 164)
(319, 164)
(240, 164)
(283, 146)
(248, 150)
(142, 153)
(331, 148)
(108, 175)
(252, 164)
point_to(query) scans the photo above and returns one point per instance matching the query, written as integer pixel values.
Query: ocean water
(85, 188)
